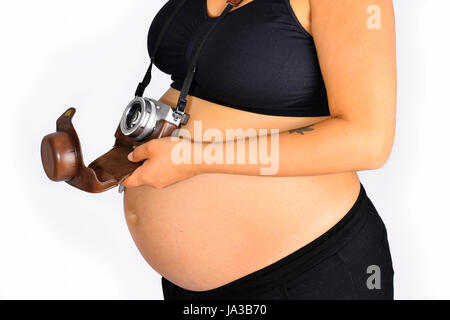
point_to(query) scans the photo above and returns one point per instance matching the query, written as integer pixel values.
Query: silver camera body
(142, 115)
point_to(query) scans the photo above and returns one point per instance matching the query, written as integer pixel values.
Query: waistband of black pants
(297, 262)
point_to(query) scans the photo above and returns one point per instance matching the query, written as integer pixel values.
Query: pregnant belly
(212, 229)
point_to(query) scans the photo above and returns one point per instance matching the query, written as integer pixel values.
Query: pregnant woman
(323, 73)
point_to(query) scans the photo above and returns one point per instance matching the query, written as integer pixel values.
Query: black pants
(350, 261)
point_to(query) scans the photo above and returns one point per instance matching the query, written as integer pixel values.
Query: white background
(58, 242)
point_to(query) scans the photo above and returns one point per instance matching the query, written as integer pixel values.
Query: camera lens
(133, 116)
(139, 119)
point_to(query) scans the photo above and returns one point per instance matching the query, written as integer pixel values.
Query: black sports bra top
(259, 58)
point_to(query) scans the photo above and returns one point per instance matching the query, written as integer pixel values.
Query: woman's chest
(257, 59)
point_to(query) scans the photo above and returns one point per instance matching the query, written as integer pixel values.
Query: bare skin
(202, 226)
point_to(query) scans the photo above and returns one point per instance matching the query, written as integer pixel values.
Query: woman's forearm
(331, 146)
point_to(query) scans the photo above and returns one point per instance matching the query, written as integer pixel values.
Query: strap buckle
(182, 117)
(181, 106)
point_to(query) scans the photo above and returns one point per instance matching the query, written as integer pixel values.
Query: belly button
(132, 218)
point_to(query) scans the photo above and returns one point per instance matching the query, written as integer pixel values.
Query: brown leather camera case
(62, 158)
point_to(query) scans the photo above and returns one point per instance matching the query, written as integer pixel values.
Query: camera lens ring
(138, 119)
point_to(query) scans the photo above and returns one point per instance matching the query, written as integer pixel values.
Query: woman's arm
(358, 63)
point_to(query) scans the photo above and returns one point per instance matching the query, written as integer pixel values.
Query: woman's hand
(159, 170)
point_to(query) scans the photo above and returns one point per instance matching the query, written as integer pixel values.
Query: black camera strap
(148, 75)
(181, 105)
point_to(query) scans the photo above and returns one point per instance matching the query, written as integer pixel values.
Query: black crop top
(259, 59)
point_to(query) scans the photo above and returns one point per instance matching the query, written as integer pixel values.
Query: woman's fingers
(141, 153)
(135, 180)
(144, 175)
(158, 170)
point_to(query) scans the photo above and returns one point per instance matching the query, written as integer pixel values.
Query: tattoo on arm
(301, 130)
